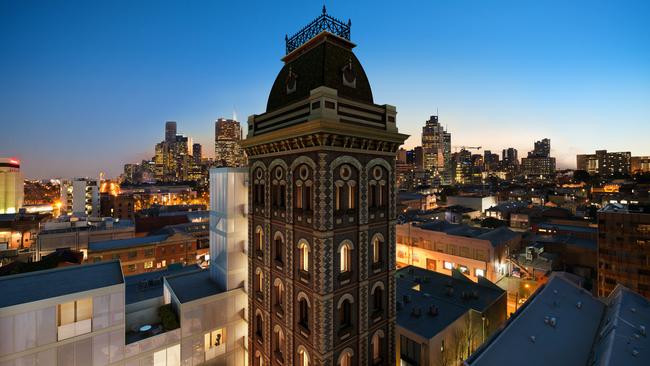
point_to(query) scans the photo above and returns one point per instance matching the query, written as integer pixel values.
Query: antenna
(234, 113)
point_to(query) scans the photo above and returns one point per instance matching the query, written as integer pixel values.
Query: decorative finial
(286, 37)
(324, 10)
(349, 22)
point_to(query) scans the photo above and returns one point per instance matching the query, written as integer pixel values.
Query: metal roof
(40, 285)
(126, 243)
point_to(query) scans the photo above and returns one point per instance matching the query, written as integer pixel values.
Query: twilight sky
(86, 86)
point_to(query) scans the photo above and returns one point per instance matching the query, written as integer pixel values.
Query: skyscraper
(227, 148)
(322, 210)
(539, 163)
(196, 153)
(170, 131)
(172, 156)
(11, 186)
(436, 146)
(605, 163)
(80, 197)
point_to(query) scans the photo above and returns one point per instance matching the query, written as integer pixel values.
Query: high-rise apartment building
(196, 153)
(80, 197)
(509, 156)
(170, 131)
(436, 146)
(539, 163)
(640, 164)
(624, 248)
(322, 210)
(11, 186)
(173, 156)
(605, 163)
(227, 143)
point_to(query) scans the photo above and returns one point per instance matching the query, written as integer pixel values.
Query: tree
(493, 223)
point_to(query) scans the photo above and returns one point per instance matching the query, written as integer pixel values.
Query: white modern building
(11, 186)
(92, 315)
(80, 197)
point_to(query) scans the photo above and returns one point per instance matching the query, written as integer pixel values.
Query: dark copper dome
(325, 60)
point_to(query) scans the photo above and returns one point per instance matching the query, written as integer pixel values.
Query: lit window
(148, 265)
(376, 249)
(462, 269)
(448, 265)
(345, 257)
(74, 318)
(214, 343)
(352, 195)
(480, 273)
(303, 251)
(164, 263)
(303, 358)
(171, 356)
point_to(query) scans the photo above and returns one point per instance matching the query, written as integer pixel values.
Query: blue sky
(86, 86)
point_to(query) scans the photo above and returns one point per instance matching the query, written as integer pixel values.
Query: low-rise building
(565, 325)
(441, 246)
(442, 319)
(76, 234)
(477, 202)
(86, 315)
(624, 248)
(147, 253)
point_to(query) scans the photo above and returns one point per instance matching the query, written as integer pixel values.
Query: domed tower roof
(320, 54)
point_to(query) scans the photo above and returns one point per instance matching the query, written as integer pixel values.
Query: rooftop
(193, 285)
(556, 326)
(495, 236)
(568, 240)
(629, 208)
(41, 285)
(126, 243)
(324, 22)
(452, 296)
(150, 285)
(623, 338)
(564, 227)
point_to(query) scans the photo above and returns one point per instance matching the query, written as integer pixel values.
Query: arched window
(378, 299)
(258, 188)
(278, 342)
(259, 326)
(345, 359)
(259, 240)
(345, 252)
(352, 195)
(259, 361)
(303, 356)
(279, 247)
(345, 312)
(303, 315)
(375, 344)
(372, 195)
(278, 188)
(377, 243)
(298, 196)
(338, 197)
(278, 288)
(303, 188)
(259, 281)
(303, 256)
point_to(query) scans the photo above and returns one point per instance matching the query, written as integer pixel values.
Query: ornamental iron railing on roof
(324, 22)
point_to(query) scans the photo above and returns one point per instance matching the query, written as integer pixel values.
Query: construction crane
(467, 148)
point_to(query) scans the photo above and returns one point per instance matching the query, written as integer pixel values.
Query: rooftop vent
(449, 292)
(635, 352)
(550, 320)
(532, 339)
(416, 312)
(433, 310)
(579, 304)
(642, 330)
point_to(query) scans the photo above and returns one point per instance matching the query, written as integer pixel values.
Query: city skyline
(89, 87)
